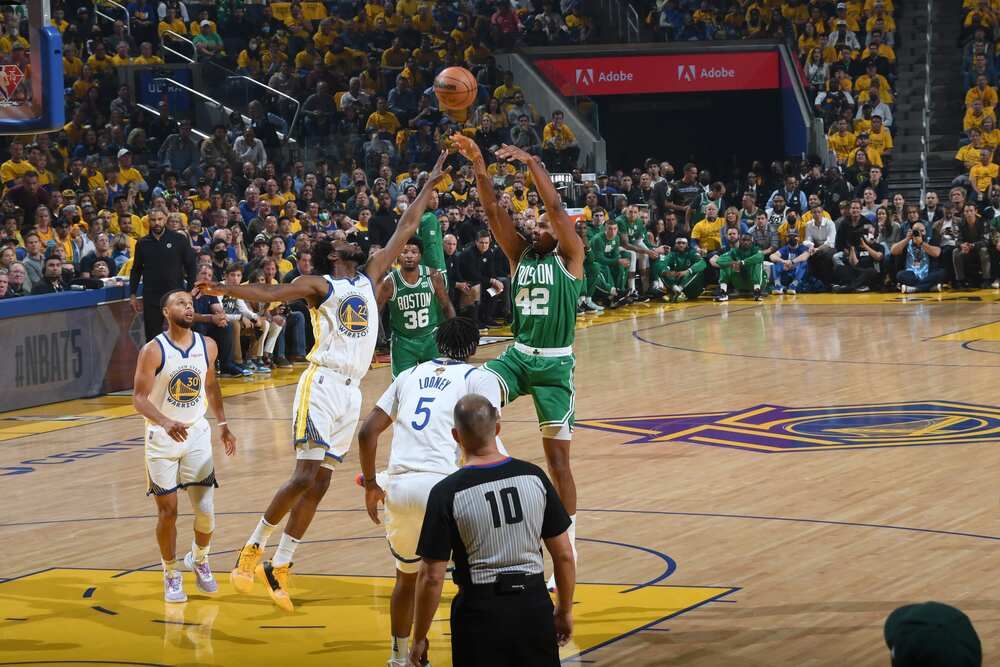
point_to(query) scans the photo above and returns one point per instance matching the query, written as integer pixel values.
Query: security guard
(490, 517)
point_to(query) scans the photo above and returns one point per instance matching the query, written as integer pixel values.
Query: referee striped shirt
(491, 519)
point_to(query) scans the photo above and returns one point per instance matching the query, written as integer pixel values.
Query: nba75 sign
(11, 77)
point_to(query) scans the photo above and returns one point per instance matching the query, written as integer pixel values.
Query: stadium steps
(911, 78)
(947, 95)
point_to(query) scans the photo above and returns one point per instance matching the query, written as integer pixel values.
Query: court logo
(184, 388)
(775, 428)
(352, 316)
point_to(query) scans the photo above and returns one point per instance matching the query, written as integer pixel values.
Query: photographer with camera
(918, 276)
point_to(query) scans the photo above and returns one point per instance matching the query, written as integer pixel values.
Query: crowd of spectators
(76, 202)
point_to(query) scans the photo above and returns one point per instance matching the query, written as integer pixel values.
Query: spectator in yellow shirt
(327, 33)
(871, 76)
(83, 85)
(842, 141)
(505, 92)
(559, 148)
(707, 233)
(991, 135)
(72, 64)
(395, 56)
(879, 136)
(983, 92)
(146, 56)
(873, 155)
(975, 114)
(121, 56)
(99, 62)
(171, 22)
(13, 169)
(982, 174)
(878, 47)
(382, 120)
(969, 154)
(127, 174)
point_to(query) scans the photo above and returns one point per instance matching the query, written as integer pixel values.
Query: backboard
(31, 69)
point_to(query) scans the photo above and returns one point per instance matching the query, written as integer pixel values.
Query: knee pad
(557, 431)
(203, 505)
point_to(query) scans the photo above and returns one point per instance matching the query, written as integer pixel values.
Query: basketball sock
(572, 535)
(286, 550)
(169, 566)
(400, 648)
(631, 283)
(200, 552)
(261, 534)
(723, 287)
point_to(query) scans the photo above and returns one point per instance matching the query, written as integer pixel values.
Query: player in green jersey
(682, 270)
(546, 281)
(632, 234)
(741, 268)
(417, 300)
(430, 235)
(611, 265)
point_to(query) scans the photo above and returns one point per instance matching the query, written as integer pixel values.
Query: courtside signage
(688, 73)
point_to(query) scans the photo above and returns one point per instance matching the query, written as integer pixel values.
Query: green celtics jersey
(545, 296)
(676, 261)
(413, 310)
(633, 231)
(430, 236)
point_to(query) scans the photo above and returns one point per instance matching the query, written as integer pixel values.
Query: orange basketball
(455, 88)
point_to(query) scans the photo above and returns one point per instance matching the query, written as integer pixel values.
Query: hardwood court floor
(760, 484)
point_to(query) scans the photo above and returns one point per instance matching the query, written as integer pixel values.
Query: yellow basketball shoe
(246, 564)
(275, 578)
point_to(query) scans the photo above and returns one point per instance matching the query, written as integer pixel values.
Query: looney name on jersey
(542, 274)
(413, 300)
(434, 382)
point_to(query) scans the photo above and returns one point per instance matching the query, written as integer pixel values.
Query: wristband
(222, 424)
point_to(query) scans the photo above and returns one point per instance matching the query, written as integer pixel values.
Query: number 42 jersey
(422, 402)
(545, 300)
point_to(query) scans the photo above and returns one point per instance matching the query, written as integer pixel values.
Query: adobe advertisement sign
(685, 73)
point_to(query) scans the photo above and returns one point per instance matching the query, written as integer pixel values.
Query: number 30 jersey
(545, 299)
(422, 402)
(413, 309)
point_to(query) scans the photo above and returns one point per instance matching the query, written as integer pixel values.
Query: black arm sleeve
(556, 520)
(190, 264)
(435, 534)
(136, 273)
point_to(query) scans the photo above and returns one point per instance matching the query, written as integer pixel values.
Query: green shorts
(549, 380)
(408, 352)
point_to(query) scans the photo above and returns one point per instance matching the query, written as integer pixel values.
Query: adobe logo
(585, 77)
(686, 73)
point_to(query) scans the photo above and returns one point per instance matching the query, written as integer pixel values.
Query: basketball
(455, 88)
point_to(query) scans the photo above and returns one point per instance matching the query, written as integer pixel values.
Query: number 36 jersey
(413, 309)
(422, 402)
(545, 299)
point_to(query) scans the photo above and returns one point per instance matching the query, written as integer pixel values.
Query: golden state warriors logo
(352, 316)
(184, 388)
(774, 428)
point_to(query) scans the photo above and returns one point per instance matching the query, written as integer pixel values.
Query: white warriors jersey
(345, 326)
(179, 388)
(422, 402)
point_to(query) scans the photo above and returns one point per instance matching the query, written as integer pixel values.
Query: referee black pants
(152, 314)
(495, 630)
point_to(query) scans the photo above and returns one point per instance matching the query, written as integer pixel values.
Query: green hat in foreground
(932, 634)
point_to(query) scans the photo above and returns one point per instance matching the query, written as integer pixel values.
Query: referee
(163, 258)
(491, 517)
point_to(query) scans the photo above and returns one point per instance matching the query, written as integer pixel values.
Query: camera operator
(918, 276)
